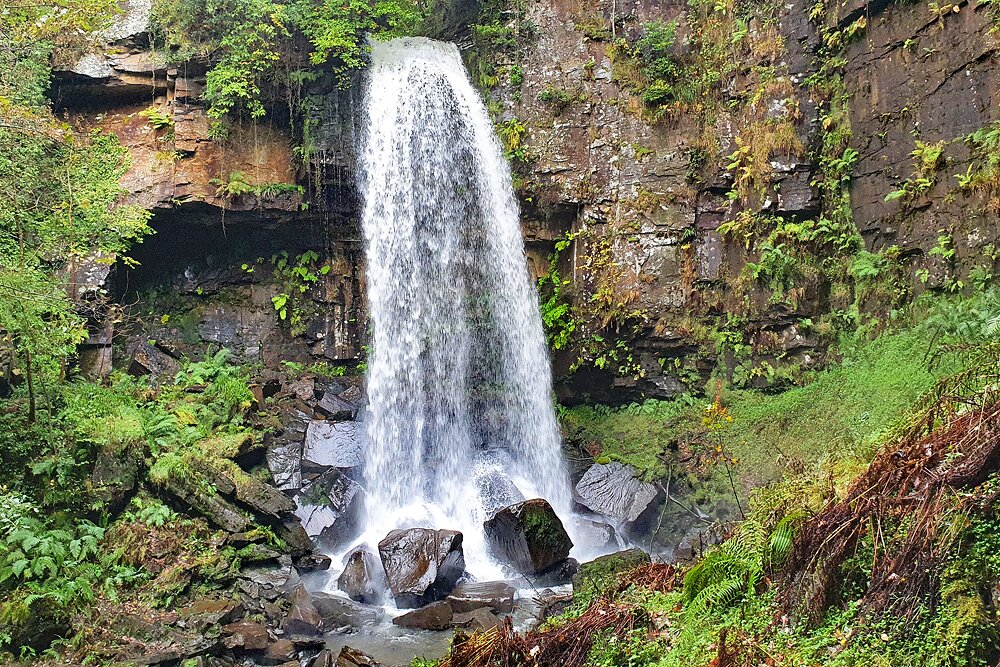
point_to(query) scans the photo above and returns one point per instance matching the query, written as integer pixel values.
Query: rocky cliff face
(930, 77)
(622, 204)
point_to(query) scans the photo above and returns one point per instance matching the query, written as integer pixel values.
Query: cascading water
(459, 386)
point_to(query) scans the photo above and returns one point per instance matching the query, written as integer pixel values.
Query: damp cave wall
(599, 171)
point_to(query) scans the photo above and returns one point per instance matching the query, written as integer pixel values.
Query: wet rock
(350, 657)
(219, 511)
(303, 618)
(323, 659)
(613, 490)
(596, 535)
(435, 616)
(279, 652)
(421, 564)
(529, 536)
(336, 407)
(283, 460)
(363, 578)
(313, 563)
(496, 490)
(559, 574)
(146, 359)
(476, 620)
(116, 473)
(336, 612)
(338, 444)
(296, 539)
(330, 507)
(208, 612)
(596, 575)
(246, 635)
(471, 595)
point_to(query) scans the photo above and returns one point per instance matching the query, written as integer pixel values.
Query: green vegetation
(838, 417)
(248, 43)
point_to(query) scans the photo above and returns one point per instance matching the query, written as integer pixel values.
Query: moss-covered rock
(528, 535)
(594, 577)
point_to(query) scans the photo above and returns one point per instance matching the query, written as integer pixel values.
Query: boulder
(336, 404)
(596, 575)
(294, 535)
(421, 565)
(149, 360)
(336, 612)
(313, 563)
(476, 620)
(496, 490)
(338, 444)
(260, 497)
(283, 460)
(595, 534)
(303, 618)
(209, 612)
(350, 657)
(330, 507)
(471, 595)
(246, 635)
(116, 474)
(363, 578)
(612, 489)
(323, 659)
(529, 536)
(435, 616)
(195, 495)
(279, 652)
(268, 582)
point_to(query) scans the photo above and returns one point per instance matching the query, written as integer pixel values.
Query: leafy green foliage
(248, 39)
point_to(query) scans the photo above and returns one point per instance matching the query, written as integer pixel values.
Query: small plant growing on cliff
(558, 98)
(234, 186)
(511, 133)
(927, 160)
(157, 119)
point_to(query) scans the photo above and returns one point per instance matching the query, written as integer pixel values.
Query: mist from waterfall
(459, 381)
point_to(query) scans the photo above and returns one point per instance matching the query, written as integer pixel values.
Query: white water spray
(459, 382)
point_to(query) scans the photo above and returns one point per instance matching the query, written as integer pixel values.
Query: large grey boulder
(338, 444)
(284, 461)
(337, 612)
(422, 565)
(330, 507)
(529, 536)
(612, 489)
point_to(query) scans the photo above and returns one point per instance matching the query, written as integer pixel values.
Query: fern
(736, 568)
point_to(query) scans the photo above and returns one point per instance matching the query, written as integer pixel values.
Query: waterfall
(459, 381)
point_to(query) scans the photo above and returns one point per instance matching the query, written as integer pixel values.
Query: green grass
(840, 416)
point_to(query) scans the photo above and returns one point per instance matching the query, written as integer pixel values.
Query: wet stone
(421, 564)
(613, 490)
(495, 595)
(435, 616)
(363, 578)
(338, 444)
(529, 536)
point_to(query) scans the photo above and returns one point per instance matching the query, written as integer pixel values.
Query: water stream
(460, 418)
